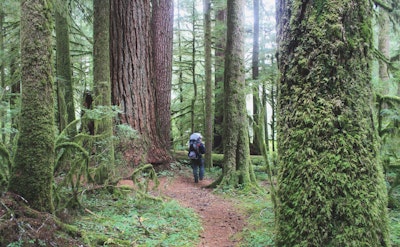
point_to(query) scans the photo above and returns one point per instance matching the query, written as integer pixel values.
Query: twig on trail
(26, 201)
(42, 224)
(5, 206)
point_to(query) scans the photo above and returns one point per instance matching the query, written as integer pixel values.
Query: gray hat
(195, 136)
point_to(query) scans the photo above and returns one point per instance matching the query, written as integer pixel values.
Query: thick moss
(32, 174)
(331, 188)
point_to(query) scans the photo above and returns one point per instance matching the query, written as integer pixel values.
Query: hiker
(196, 149)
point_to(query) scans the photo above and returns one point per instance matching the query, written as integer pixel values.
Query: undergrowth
(258, 207)
(394, 227)
(128, 221)
(260, 222)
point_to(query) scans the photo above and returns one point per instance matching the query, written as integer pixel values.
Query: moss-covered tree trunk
(32, 174)
(194, 115)
(258, 121)
(330, 186)
(65, 88)
(236, 163)
(179, 50)
(102, 88)
(208, 84)
(220, 43)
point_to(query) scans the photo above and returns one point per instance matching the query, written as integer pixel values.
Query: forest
(297, 101)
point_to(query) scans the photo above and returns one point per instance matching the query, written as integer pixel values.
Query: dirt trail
(219, 217)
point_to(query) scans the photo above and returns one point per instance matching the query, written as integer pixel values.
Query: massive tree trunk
(102, 87)
(131, 74)
(65, 89)
(209, 86)
(32, 174)
(330, 184)
(236, 163)
(162, 37)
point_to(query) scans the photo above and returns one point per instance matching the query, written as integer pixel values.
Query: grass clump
(394, 226)
(129, 221)
(258, 209)
(260, 223)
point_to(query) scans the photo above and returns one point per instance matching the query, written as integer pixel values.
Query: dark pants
(198, 169)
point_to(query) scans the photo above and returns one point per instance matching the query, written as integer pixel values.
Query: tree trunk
(193, 116)
(2, 70)
(330, 186)
(220, 43)
(236, 163)
(162, 37)
(15, 91)
(257, 105)
(209, 86)
(65, 89)
(132, 89)
(32, 174)
(182, 138)
(102, 87)
(384, 47)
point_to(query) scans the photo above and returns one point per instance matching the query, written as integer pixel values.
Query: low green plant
(131, 221)
(260, 227)
(259, 212)
(394, 216)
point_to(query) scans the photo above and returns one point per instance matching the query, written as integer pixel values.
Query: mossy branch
(66, 145)
(389, 99)
(137, 175)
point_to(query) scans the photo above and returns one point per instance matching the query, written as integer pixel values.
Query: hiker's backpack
(194, 153)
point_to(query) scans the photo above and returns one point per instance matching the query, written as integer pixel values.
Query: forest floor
(220, 217)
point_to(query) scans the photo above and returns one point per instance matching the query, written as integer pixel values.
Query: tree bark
(131, 74)
(384, 47)
(162, 40)
(32, 174)
(330, 185)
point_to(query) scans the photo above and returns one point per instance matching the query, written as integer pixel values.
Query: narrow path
(219, 217)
